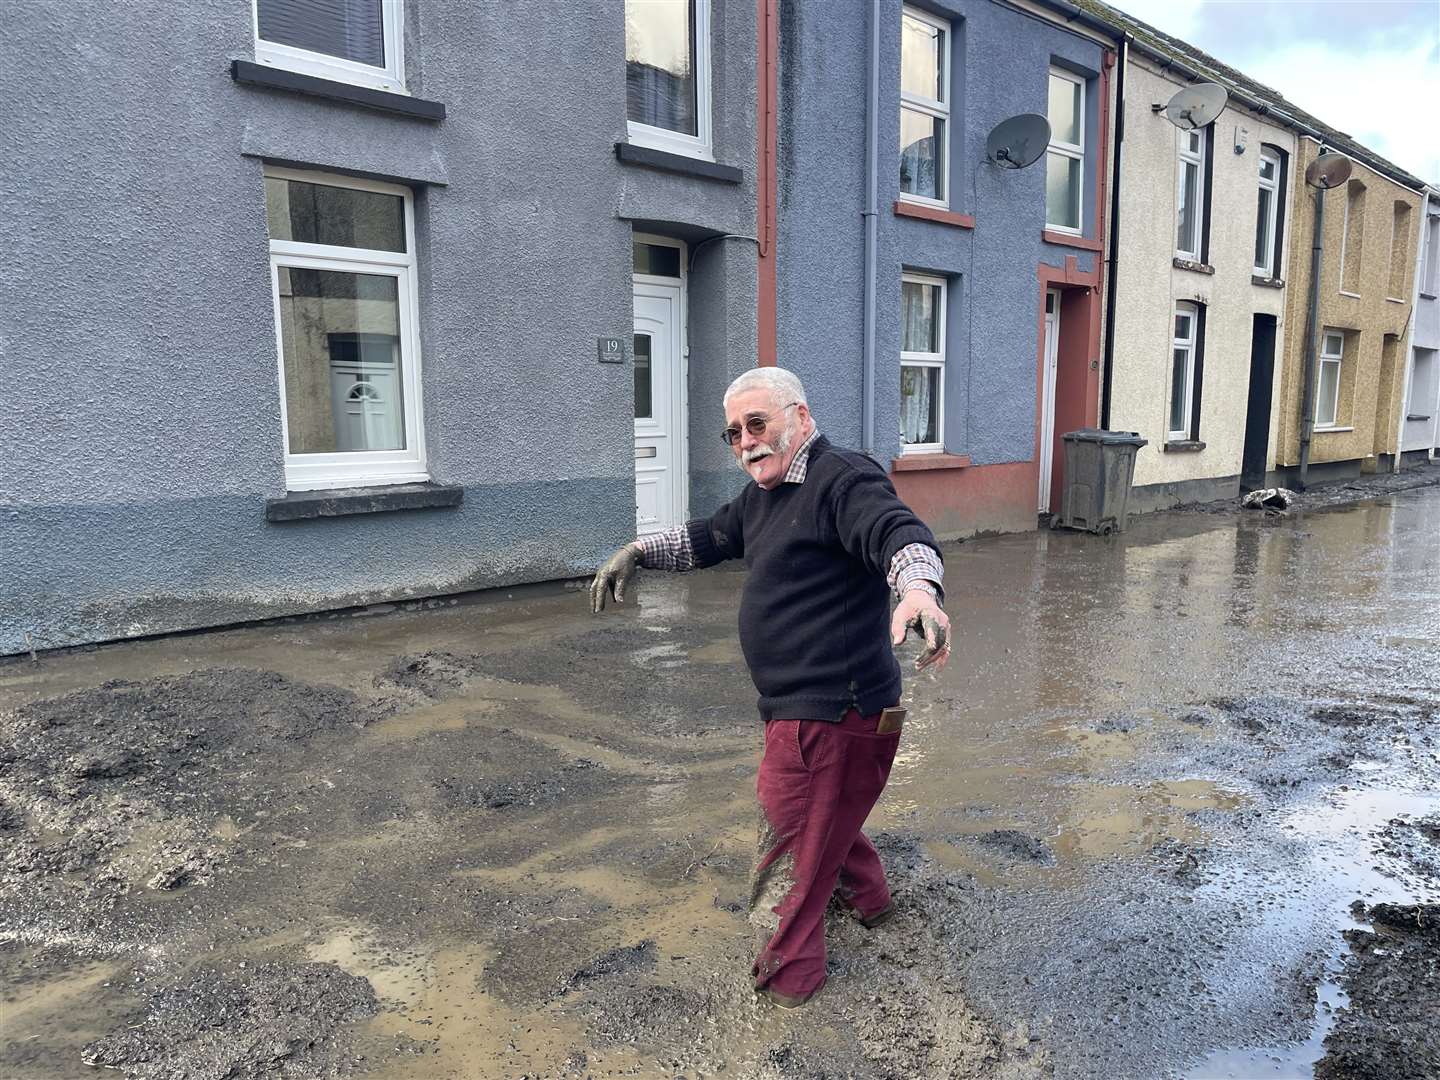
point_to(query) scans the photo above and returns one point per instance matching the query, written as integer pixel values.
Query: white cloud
(1377, 78)
(1383, 97)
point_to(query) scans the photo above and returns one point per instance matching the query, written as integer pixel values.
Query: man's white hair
(784, 386)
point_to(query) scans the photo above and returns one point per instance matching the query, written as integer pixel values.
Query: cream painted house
(1204, 232)
(1208, 286)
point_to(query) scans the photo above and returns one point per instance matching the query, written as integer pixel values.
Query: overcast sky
(1368, 67)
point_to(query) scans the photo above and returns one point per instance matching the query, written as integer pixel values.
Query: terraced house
(943, 310)
(322, 299)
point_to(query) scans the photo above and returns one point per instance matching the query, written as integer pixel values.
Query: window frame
(936, 108)
(1191, 345)
(1430, 278)
(390, 77)
(929, 360)
(1073, 151)
(356, 468)
(1185, 156)
(1338, 359)
(701, 144)
(1272, 185)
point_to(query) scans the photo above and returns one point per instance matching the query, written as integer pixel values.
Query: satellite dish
(1019, 141)
(1328, 170)
(1196, 106)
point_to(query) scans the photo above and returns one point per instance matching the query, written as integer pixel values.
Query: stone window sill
(1351, 295)
(919, 462)
(1267, 282)
(1184, 446)
(631, 154)
(1050, 236)
(933, 213)
(1332, 430)
(341, 502)
(1188, 264)
(1395, 300)
(272, 78)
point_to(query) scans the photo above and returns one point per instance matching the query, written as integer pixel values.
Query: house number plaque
(612, 350)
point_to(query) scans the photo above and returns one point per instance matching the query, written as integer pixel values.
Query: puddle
(1108, 820)
(1344, 868)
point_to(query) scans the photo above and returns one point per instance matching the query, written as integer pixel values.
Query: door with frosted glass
(658, 431)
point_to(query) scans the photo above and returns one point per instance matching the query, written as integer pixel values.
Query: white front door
(1047, 397)
(659, 407)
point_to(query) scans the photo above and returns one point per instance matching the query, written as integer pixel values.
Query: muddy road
(1172, 811)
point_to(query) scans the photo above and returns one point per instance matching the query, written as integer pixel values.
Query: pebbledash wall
(989, 244)
(1366, 291)
(143, 420)
(1153, 278)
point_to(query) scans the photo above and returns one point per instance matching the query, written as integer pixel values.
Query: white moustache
(753, 455)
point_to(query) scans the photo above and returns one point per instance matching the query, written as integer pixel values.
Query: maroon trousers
(818, 782)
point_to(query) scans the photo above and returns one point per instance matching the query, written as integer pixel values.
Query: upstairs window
(1065, 157)
(1190, 195)
(922, 363)
(1268, 215)
(354, 41)
(1352, 238)
(1327, 397)
(342, 258)
(667, 75)
(924, 107)
(1430, 280)
(1399, 252)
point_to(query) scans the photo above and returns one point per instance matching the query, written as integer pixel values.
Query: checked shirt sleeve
(668, 550)
(916, 566)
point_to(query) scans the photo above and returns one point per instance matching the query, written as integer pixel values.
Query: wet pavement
(1171, 811)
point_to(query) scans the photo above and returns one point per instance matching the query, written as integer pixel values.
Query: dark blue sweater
(815, 614)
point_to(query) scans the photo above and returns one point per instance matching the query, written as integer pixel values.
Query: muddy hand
(614, 578)
(918, 611)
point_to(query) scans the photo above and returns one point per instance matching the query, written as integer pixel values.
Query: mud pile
(116, 786)
(1392, 974)
(277, 1020)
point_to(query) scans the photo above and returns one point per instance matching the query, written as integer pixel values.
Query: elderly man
(826, 539)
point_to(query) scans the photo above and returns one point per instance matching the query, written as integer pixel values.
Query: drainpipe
(1307, 395)
(1113, 248)
(871, 214)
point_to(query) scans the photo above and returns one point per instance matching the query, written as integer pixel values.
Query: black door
(1257, 412)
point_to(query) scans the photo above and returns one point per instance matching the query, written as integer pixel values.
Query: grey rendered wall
(1000, 62)
(143, 414)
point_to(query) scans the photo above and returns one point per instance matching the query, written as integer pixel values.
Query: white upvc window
(922, 363)
(667, 76)
(353, 41)
(342, 267)
(1327, 397)
(1266, 211)
(1430, 282)
(1065, 156)
(924, 108)
(1190, 195)
(1183, 346)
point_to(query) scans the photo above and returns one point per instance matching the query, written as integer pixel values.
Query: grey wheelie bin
(1099, 466)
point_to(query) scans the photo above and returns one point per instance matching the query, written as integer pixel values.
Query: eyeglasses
(756, 426)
